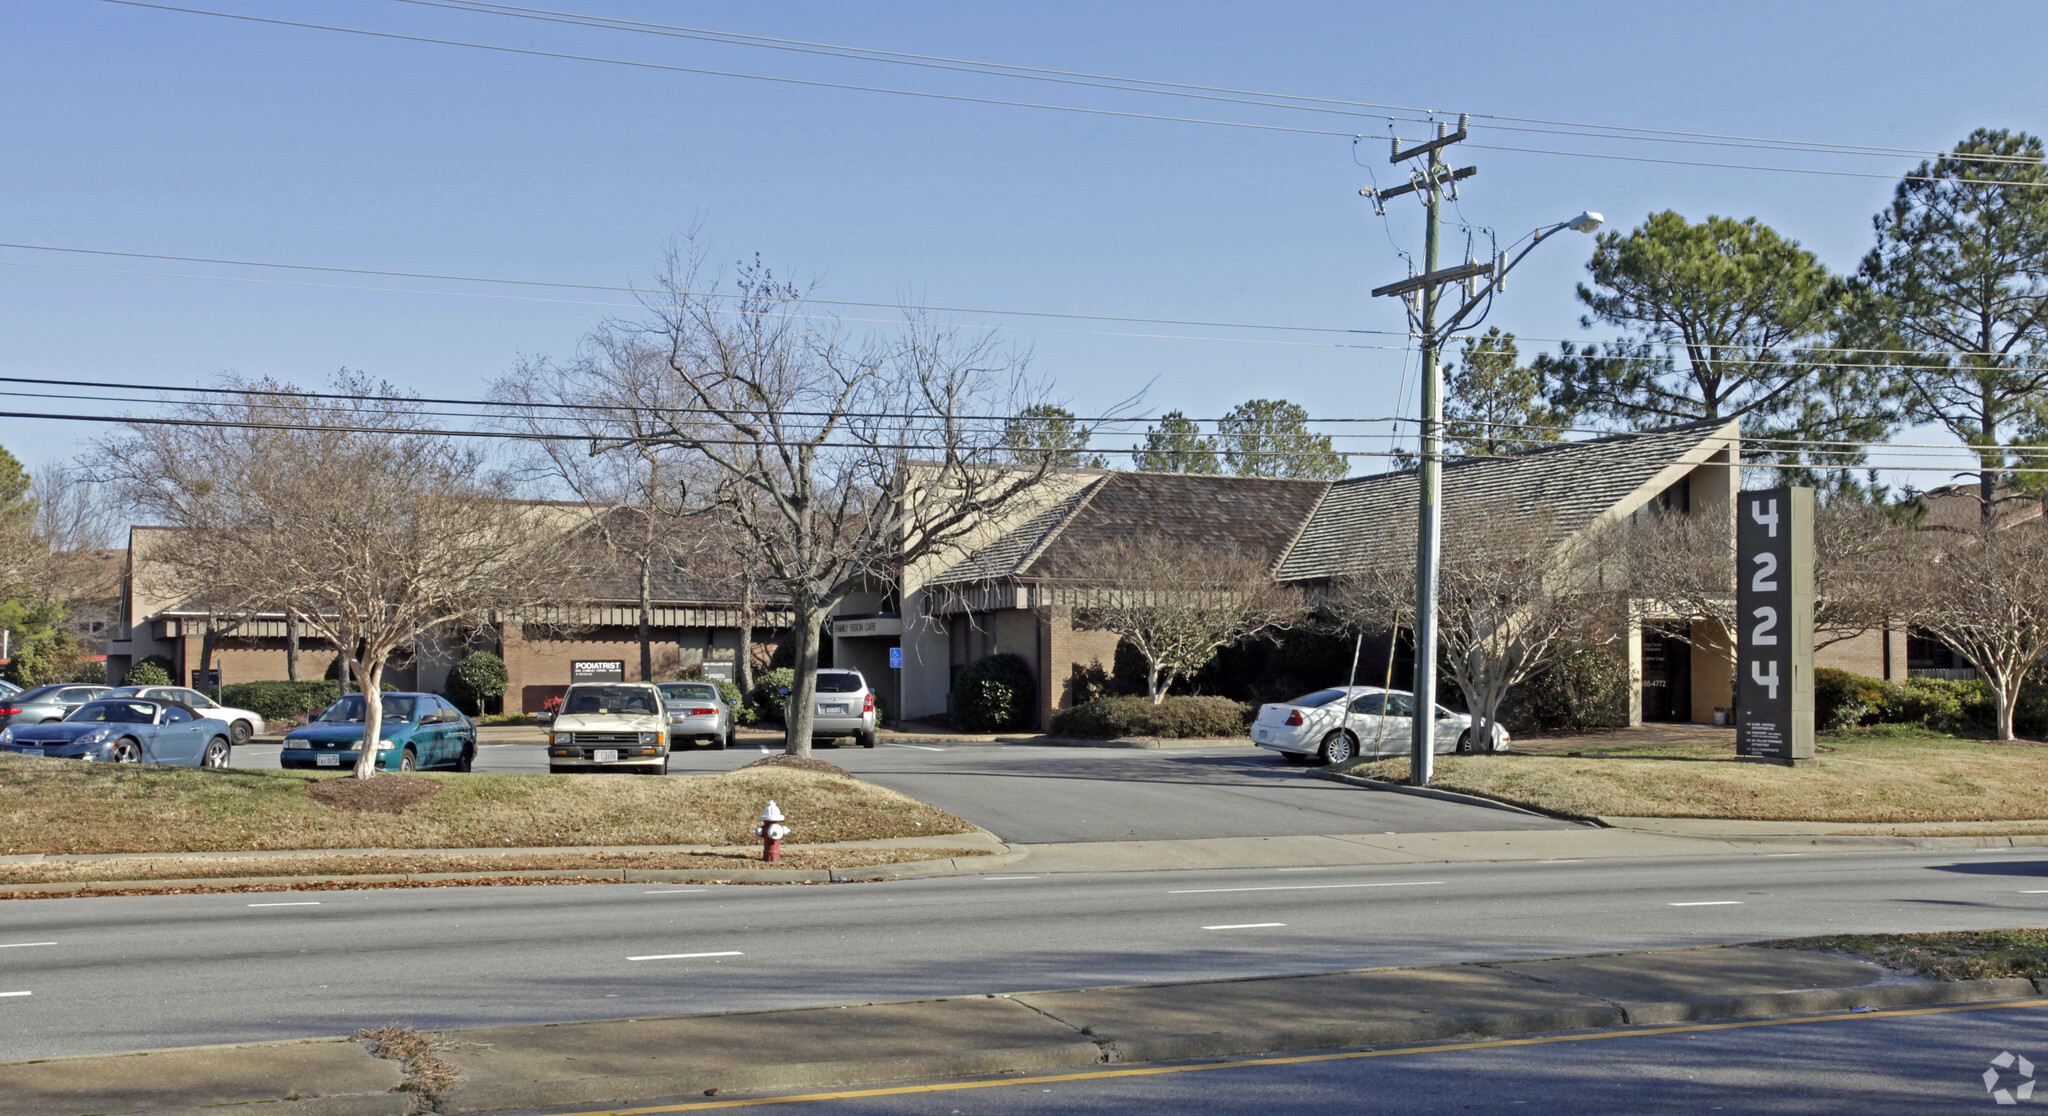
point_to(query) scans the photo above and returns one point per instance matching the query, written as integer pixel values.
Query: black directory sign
(597, 670)
(1774, 625)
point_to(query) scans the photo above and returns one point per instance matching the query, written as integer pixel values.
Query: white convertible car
(1317, 728)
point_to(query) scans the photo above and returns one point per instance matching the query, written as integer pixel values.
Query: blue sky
(149, 131)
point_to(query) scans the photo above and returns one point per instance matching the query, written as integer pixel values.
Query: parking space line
(1307, 887)
(2037, 891)
(680, 956)
(1009, 877)
(1304, 869)
(919, 747)
(677, 891)
(1245, 926)
(1709, 903)
(24, 945)
(3, 995)
(308, 903)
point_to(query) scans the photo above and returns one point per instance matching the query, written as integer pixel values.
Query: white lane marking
(313, 903)
(1784, 854)
(1245, 926)
(2039, 891)
(1709, 903)
(1560, 862)
(1306, 887)
(677, 956)
(677, 891)
(1009, 877)
(6, 994)
(919, 747)
(24, 945)
(1304, 869)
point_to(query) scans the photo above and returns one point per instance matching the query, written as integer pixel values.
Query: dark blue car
(127, 730)
(419, 731)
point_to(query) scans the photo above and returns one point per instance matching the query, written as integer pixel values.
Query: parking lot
(1050, 793)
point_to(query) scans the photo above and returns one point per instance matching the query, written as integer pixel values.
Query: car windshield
(609, 699)
(350, 710)
(838, 682)
(1318, 699)
(690, 691)
(115, 713)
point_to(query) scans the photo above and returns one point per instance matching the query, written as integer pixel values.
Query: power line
(1241, 124)
(1165, 88)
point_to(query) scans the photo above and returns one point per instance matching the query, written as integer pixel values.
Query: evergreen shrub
(1175, 718)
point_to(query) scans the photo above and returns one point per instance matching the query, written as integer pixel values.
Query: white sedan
(242, 723)
(1317, 727)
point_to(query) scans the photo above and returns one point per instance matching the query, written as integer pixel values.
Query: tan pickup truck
(605, 726)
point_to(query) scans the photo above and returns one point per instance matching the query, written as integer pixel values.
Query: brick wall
(1064, 650)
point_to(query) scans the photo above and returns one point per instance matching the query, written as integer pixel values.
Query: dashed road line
(1245, 926)
(4, 995)
(919, 747)
(1009, 877)
(24, 945)
(308, 903)
(677, 891)
(1307, 887)
(681, 956)
(1709, 903)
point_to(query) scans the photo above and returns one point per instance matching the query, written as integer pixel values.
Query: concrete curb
(911, 869)
(1440, 795)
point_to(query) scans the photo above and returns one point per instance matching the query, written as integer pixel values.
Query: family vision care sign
(1774, 625)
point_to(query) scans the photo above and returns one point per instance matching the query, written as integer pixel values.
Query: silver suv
(844, 706)
(608, 725)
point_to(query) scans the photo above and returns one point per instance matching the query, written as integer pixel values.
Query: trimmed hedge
(994, 693)
(768, 696)
(1176, 718)
(479, 677)
(1842, 699)
(279, 701)
(146, 673)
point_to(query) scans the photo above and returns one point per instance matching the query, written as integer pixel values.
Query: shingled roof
(1368, 520)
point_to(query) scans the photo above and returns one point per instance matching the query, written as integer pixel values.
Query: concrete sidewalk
(627, 1060)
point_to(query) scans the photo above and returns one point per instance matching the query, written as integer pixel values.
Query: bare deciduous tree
(833, 462)
(74, 511)
(347, 513)
(1177, 603)
(1511, 596)
(1984, 592)
(1684, 566)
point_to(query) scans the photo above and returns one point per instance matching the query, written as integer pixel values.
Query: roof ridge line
(1060, 528)
(1300, 529)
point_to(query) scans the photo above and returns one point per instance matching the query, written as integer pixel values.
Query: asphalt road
(1042, 794)
(109, 974)
(1882, 1065)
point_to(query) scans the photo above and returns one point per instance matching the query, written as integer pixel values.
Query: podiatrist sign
(1774, 624)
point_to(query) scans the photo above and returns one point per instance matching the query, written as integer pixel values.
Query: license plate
(605, 755)
(32, 751)
(832, 709)
(326, 761)
(1262, 735)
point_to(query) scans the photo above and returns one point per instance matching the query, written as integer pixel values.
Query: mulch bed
(382, 794)
(803, 762)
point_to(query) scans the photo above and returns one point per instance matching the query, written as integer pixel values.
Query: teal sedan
(419, 731)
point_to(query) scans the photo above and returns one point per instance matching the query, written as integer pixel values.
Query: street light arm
(1499, 274)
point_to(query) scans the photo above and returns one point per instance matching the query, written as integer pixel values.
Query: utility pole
(1432, 182)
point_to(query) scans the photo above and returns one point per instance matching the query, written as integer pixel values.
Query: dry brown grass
(402, 864)
(63, 806)
(1861, 780)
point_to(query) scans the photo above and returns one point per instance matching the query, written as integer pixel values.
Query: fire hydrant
(771, 831)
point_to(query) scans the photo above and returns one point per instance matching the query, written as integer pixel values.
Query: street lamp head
(1585, 222)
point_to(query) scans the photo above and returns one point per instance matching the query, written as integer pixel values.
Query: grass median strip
(1955, 955)
(1863, 779)
(57, 806)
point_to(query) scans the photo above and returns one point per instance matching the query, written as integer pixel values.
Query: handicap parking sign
(896, 658)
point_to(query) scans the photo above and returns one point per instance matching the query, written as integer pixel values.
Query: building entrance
(1667, 672)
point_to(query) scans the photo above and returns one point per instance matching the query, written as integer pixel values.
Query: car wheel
(865, 740)
(240, 732)
(216, 753)
(721, 743)
(1337, 747)
(662, 770)
(468, 761)
(1465, 743)
(126, 750)
(553, 770)
(408, 760)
